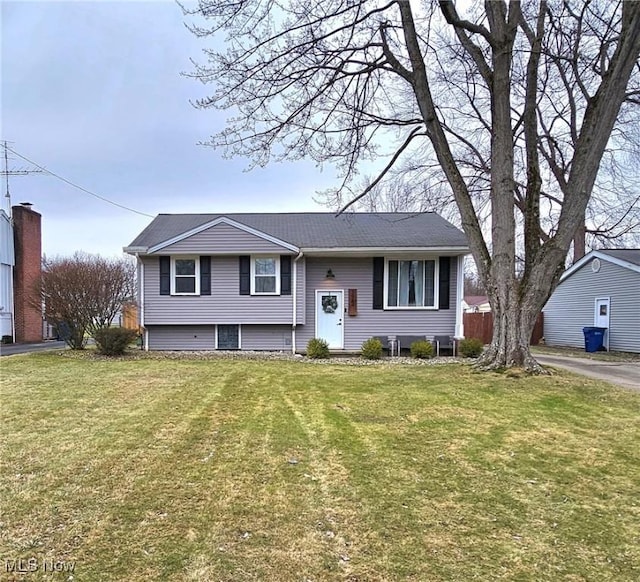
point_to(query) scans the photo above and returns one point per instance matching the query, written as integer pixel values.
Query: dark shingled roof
(322, 229)
(629, 255)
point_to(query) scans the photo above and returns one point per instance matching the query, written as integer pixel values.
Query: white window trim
(253, 274)
(436, 286)
(173, 273)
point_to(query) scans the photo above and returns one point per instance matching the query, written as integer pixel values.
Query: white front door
(329, 318)
(601, 316)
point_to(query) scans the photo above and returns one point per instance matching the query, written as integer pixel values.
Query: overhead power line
(13, 172)
(77, 186)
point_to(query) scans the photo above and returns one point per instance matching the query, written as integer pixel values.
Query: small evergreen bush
(317, 349)
(372, 349)
(421, 349)
(113, 341)
(470, 347)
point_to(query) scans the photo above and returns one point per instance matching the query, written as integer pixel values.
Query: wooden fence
(480, 325)
(130, 316)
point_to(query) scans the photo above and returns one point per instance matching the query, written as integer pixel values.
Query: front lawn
(232, 470)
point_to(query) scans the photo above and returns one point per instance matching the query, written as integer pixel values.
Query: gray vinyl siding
(181, 337)
(224, 305)
(224, 239)
(266, 337)
(357, 273)
(572, 307)
(202, 337)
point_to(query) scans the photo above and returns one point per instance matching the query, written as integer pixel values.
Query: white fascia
(135, 251)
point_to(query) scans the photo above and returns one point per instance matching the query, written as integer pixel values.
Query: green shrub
(317, 349)
(372, 349)
(113, 341)
(421, 349)
(470, 347)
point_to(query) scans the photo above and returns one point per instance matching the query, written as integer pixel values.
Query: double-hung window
(185, 276)
(412, 284)
(265, 275)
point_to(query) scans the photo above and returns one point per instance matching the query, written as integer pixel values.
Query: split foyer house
(274, 281)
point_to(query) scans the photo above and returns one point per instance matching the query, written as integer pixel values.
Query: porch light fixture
(330, 274)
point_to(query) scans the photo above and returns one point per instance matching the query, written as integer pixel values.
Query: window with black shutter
(378, 282)
(245, 275)
(445, 282)
(285, 275)
(165, 275)
(205, 275)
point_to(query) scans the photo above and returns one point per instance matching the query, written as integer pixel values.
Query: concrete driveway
(10, 349)
(626, 374)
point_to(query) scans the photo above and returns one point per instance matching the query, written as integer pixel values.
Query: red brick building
(27, 237)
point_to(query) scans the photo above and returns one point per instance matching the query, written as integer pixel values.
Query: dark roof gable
(321, 229)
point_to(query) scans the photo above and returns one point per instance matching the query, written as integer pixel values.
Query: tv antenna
(7, 171)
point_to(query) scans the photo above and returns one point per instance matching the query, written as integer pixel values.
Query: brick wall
(28, 250)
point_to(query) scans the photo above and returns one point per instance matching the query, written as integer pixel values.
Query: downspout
(13, 302)
(459, 296)
(295, 301)
(145, 339)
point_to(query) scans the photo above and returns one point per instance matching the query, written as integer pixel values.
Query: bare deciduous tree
(84, 293)
(516, 104)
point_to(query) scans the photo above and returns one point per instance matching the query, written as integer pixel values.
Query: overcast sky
(92, 91)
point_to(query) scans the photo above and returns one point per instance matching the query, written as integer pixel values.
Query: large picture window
(185, 276)
(411, 283)
(265, 276)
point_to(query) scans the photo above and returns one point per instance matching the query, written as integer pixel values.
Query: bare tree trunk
(513, 325)
(579, 243)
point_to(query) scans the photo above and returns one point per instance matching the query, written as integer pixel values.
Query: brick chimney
(27, 239)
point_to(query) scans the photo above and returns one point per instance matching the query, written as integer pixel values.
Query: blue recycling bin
(593, 338)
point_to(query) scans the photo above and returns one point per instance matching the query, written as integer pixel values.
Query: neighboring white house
(476, 304)
(601, 290)
(6, 274)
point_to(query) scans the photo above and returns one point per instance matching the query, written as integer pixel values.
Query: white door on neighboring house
(330, 318)
(601, 316)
